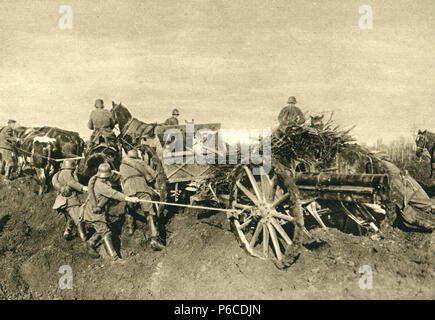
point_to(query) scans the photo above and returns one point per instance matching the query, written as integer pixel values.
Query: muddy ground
(202, 261)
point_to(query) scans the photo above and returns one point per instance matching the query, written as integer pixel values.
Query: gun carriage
(266, 210)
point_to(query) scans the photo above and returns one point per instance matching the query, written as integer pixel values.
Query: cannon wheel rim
(261, 229)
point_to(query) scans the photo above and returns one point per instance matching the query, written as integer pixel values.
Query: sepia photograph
(211, 150)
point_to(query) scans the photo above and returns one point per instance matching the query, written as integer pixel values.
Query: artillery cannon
(266, 210)
(344, 187)
(360, 197)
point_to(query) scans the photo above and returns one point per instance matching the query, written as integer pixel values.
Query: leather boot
(108, 244)
(67, 234)
(156, 245)
(91, 246)
(81, 229)
(129, 221)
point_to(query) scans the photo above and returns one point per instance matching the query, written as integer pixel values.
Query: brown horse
(40, 147)
(132, 130)
(426, 141)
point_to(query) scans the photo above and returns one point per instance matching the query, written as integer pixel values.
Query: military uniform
(101, 122)
(171, 121)
(416, 208)
(291, 115)
(135, 178)
(68, 202)
(96, 207)
(103, 193)
(101, 119)
(8, 158)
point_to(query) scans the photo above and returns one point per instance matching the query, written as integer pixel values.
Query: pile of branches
(316, 144)
(313, 143)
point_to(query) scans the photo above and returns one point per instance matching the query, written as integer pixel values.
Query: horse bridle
(127, 125)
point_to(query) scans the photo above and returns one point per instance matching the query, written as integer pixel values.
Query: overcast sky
(234, 62)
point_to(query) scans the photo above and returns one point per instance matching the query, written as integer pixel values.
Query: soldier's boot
(91, 246)
(2, 166)
(129, 221)
(110, 249)
(156, 245)
(67, 234)
(81, 229)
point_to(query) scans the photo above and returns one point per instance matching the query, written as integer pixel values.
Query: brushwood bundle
(314, 143)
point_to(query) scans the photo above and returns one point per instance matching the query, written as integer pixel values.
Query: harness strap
(136, 130)
(127, 126)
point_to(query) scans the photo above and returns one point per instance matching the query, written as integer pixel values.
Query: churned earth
(202, 260)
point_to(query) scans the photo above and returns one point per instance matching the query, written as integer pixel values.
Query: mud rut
(202, 261)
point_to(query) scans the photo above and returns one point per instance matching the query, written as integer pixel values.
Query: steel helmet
(175, 112)
(133, 154)
(99, 103)
(291, 100)
(68, 165)
(104, 171)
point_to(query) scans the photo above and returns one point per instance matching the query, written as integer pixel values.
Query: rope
(188, 206)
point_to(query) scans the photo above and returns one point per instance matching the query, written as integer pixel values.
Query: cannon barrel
(336, 179)
(344, 187)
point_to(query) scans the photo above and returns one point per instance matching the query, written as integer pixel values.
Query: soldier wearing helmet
(96, 207)
(101, 122)
(174, 119)
(67, 201)
(7, 148)
(290, 115)
(136, 177)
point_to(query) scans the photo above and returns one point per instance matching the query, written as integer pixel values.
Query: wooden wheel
(268, 222)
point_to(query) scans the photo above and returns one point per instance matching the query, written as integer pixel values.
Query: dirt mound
(202, 260)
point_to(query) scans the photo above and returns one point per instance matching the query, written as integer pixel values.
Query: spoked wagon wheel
(268, 219)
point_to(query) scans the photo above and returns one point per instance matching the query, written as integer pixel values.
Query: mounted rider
(102, 124)
(96, 207)
(136, 177)
(68, 201)
(174, 119)
(7, 149)
(290, 116)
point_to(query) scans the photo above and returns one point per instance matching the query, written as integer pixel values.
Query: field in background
(402, 152)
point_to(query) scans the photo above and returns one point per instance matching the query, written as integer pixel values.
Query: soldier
(135, 178)
(67, 201)
(101, 122)
(290, 115)
(174, 119)
(7, 147)
(96, 207)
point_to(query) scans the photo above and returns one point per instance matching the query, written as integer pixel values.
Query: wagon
(266, 209)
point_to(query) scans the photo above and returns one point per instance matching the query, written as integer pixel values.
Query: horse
(39, 148)
(132, 131)
(132, 134)
(425, 140)
(104, 149)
